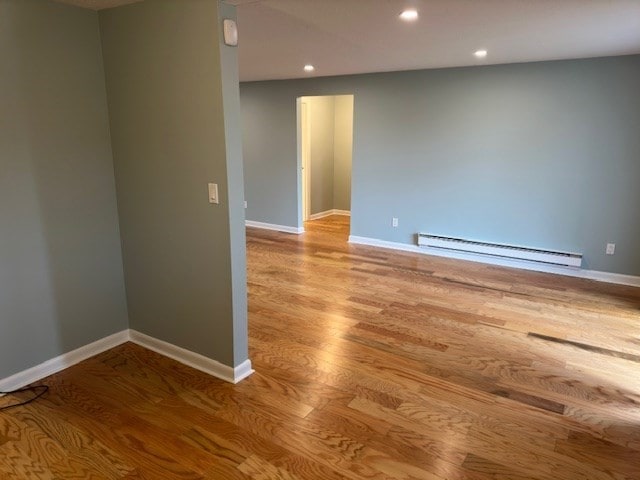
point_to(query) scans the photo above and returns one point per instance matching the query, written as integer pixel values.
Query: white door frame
(305, 155)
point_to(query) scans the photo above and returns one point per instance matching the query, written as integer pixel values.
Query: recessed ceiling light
(409, 15)
(480, 53)
(309, 68)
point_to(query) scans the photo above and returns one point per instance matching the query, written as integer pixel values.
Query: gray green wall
(539, 154)
(172, 92)
(342, 152)
(235, 190)
(269, 150)
(61, 280)
(322, 120)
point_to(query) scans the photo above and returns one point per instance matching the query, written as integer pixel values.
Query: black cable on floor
(38, 391)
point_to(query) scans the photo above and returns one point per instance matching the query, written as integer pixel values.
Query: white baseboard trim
(328, 213)
(63, 361)
(242, 371)
(273, 226)
(374, 242)
(618, 278)
(192, 359)
(186, 357)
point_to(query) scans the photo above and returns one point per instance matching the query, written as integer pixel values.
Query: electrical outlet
(245, 204)
(394, 222)
(611, 248)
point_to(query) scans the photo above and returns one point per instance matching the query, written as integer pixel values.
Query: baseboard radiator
(500, 250)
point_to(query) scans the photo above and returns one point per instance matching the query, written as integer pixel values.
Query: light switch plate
(213, 193)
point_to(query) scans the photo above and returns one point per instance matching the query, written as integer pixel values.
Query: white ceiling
(278, 37)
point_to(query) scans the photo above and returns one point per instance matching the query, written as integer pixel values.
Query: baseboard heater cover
(499, 250)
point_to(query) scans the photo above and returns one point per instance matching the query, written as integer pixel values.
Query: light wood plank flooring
(370, 364)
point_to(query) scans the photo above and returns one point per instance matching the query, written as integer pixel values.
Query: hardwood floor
(369, 364)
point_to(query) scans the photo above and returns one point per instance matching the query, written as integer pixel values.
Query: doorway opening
(325, 150)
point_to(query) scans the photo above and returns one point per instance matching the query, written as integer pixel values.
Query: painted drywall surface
(322, 120)
(235, 191)
(541, 154)
(270, 155)
(343, 150)
(61, 280)
(165, 85)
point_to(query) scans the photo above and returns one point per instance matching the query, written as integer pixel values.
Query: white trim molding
(242, 371)
(63, 361)
(192, 359)
(186, 357)
(503, 262)
(273, 226)
(327, 213)
(618, 278)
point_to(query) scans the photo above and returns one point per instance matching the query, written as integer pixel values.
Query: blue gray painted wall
(61, 279)
(269, 150)
(174, 114)
(541, 154)
(343, 152)
(322, 132)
